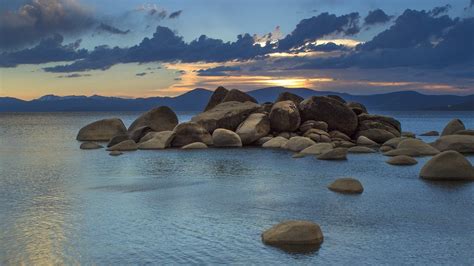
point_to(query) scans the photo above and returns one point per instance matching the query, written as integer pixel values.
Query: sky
(132, 48)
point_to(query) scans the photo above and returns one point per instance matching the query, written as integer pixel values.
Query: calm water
(59, 204)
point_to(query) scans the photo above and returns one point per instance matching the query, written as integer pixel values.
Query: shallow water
(60, 204)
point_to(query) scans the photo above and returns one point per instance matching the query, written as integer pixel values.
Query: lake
(63, 205)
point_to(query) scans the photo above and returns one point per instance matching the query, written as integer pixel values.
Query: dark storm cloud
(111, 29)
(377, 16)
(320, 26)
(218, 71)
(48, 50)
(40, 18)
(175, 14)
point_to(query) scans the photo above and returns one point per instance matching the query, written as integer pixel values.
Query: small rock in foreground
(90, 146)
(346, 185)
(294, 236)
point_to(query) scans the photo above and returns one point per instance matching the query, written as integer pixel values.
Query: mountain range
(196, 100)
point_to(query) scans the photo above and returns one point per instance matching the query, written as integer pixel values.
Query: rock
(430, 133)
(337, 97)
(360, 149)
(334, 154)
(216, 98)
(285, 135)
(469, 132)
(255, 127)
(407, 134)
(263, 140)
(288, 96)
(158, 119)
(459, 143)
(138, 133)
(347, 186)
(343, 144)
(228, 115)
(159, 140)
(298, 144)
(448, 165)
(317, 135)
(128, 145)
(336, 114)
(377, 134)
(238, 96)
(102, 130)
(115, 153)
(194, 146)
(412, 147)
(189, 132)
(402, 160)
(452, 127)
(309, 124)
(339, 135)
(357, 108)
(393, 143)
(150, 135)
(117, 139)
(90, 146)
(378, 128)
(222, 137)
(364, 141)
(285, 116)
(298, 155)
(293, 233)
(385, 148)
(318, 148)
(277, 142)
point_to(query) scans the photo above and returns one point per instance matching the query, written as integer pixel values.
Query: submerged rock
(459, 143)
(285, 117)
(448, 165)
(222, 137)
(189, 132)
(334, 154)
(255, 127)
(216, 98)
(361, 149)
(298, 144)
(194, 146)
(298, 155)
(293, 233)
(158, 119)
(128, 145)
(276, 143)
(90, 146)
(115, 153)
(346, 185)
(158, 141)
(412, 147)
(402, 160)
(452, 127)
(102, 130)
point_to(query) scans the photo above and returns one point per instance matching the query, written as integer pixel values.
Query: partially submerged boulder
(158, 119)
(222, 137)
(90, 146)
(194, 146)
(293, 233)
(117, 139)
(128, 145)
(298, 143)
(189, 132)
(365, 141)
(360, 149)
(452, 127)
(448, 165)
(285, 116)
(336, 154)
(318, 148)
(102, 130)
(459, 143)
(275, 143)
(216, 98)
(255, 127)
(346, 185)
(115, 153)
(159, 140)
(413, 147)
(402, 160)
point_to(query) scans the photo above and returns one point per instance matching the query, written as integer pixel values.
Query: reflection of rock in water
(298, 249)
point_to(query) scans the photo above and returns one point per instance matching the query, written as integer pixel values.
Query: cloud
(38, 19)
(75, 75)
(153, 11)
(218, 71)
(175, 14)
(440, 10)
(377, 16)
(111, 29)
(141, 74)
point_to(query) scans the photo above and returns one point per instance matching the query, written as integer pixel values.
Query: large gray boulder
(413, 147)
(298, 143)
(275, 143)
(336, 154)
(228, 115)
(288, 96)
(158, 119)
(102, 130)
(128, 145)
(459, 143)
(452, 127)
(222, 137)
(336, 114)
(285, 117)
(346, 185)
(235, 95)
(293, 233)
(158, 141)
(448, 165)
(189, 132)
(378, 128)
(216, 98)
(255, 127)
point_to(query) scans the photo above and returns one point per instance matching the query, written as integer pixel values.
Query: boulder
(298, 155)
(117, 139)
(235, 95)
(115, 153)
(360, 149)
(102, 130)
(189, 132)
(413, 147)
(385, 148)
(336, 114)
(298, 144)
(318, 148)
(293, 233)
(343, 144)
(285, 116)
(128, 145)
(402, 160)
(337, 97)
(364, 141)
(261, 141)
(393, 142)
(309, 124)
(216, 98)
(452, 127)
(255, 127)
(347, 186)
(288, 96)
(150, 135)
(194, 146)
(430, 133)
(459, 143)
(339, 135)
(158, 119)
(277, 142)
(285, 135)
(357, 108)
(378, 128)
(222, 137)
(334, 154)
(138, 133)
(317, 135)
(159, 140)
(90, 146)
(228, 115)
(448, 165)
(377, 134)
(469, 132)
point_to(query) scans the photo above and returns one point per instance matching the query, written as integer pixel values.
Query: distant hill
(196, 100)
